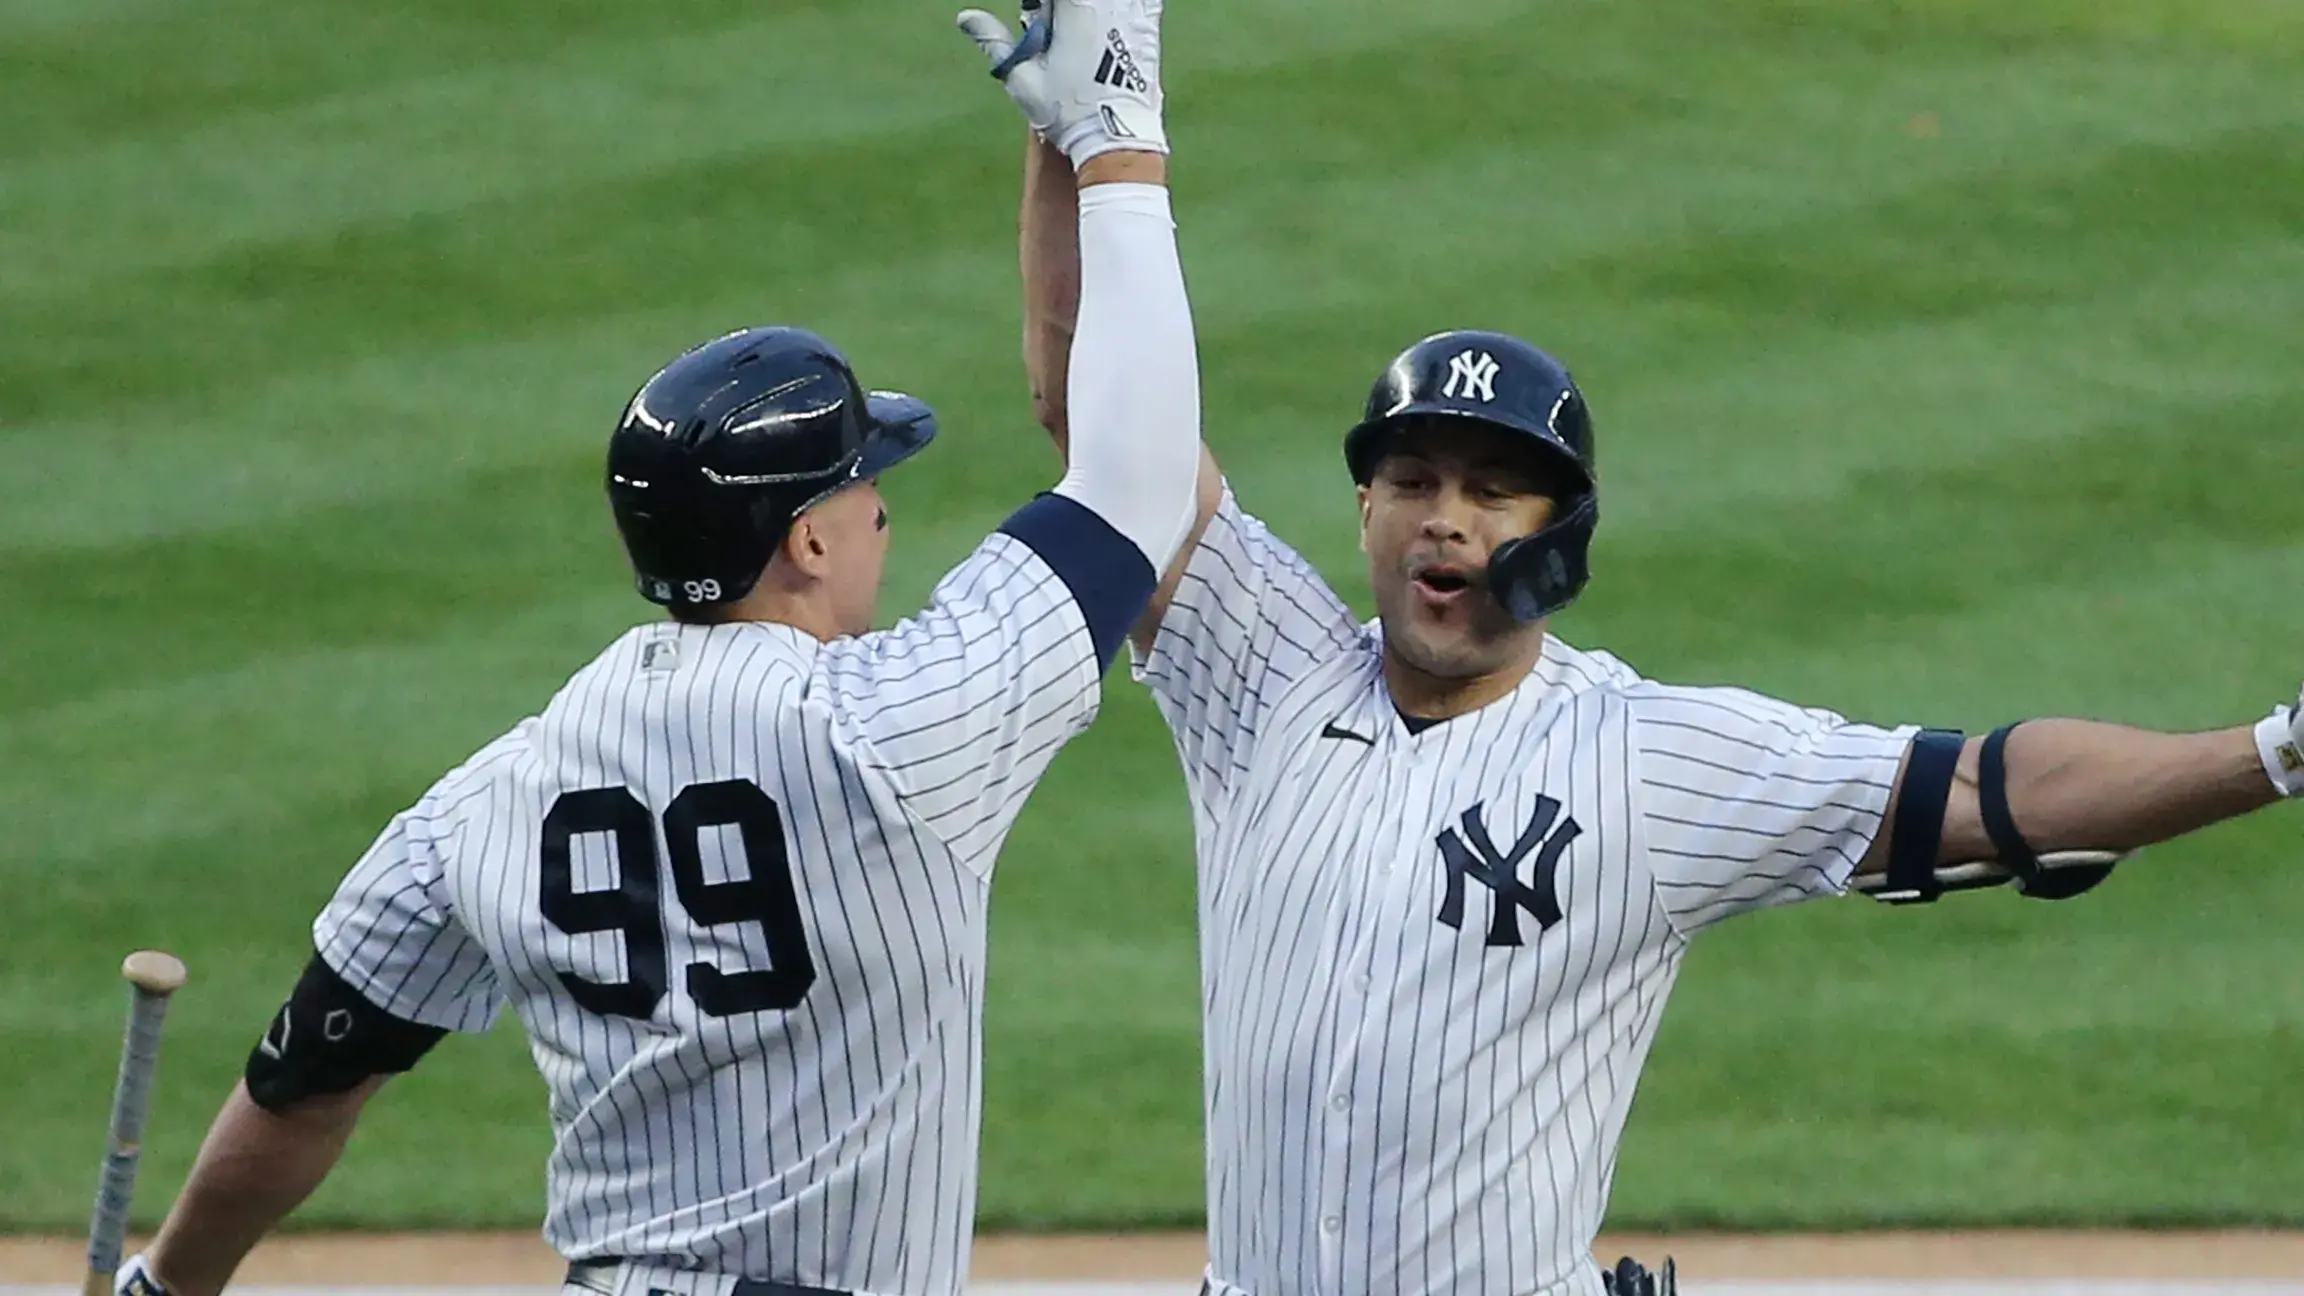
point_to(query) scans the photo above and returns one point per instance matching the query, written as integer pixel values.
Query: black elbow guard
(1918, 832)
(2039, 877)
(328, 1038)
(1914, 876)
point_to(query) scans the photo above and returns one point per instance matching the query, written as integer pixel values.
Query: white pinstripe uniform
(733, 880)
(838, 1137)
(1433, 961)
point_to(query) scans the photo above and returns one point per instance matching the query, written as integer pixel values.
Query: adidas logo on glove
(1118, 70)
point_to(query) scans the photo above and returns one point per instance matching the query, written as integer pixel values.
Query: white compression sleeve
(1134, 386)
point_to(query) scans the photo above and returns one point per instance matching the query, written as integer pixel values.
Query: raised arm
(1048, 237)
(1048, 250)
(1122, 381)
(963, 707)
(1133, 379)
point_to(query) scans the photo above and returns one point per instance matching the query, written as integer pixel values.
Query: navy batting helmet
(727, 444)
(1498, 379)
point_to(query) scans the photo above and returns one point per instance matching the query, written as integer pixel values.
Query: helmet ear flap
(1538, 575)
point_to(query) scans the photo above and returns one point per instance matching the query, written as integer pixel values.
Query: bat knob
(154, 972)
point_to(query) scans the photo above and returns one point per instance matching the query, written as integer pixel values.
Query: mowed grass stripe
(303, 439)
(57, 27)
(2165, 634)
(1904, 551)
(88, 73)
(397, 568)
(315, 296)
(2182, 28)
(1950, 1029)
(373, 693)
(593, 110)
(575, 110)
(1618, 152)
(2204, 920)
(1990, 1157)
(398, 424)
(688, 233)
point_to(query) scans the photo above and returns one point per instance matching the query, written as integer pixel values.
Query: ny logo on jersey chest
(1472, 855)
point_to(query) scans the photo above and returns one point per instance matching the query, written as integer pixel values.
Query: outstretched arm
(1752, 802)
(2081, 785)
(1049, 252)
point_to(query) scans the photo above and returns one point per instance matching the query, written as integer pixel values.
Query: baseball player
(1449, 864)
(732, 878)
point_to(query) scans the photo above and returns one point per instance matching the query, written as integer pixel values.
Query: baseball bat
(152, 977)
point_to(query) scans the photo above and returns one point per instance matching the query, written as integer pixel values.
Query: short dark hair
(698, 614)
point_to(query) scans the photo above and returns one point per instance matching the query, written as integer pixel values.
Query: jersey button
(1332, 1224)
(1340, 1102)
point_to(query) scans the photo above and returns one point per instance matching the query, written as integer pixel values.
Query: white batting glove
(2280, 742)
(135, 1279)
(1086, 73)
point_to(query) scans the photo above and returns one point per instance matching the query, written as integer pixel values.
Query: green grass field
(1945, 356)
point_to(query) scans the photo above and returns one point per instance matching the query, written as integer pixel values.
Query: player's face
(854, 524)
(1439, 504)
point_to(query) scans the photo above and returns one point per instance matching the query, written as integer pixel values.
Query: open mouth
(1443, 581)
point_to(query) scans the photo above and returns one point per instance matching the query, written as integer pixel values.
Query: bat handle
(154, 977)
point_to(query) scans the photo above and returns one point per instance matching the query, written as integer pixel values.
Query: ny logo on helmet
(1476, 374)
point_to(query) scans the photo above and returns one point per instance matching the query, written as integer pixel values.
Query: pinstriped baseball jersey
(733, 882)
(1434, 958)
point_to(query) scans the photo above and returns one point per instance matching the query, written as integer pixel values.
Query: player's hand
(1086, 73)
(135, 1279)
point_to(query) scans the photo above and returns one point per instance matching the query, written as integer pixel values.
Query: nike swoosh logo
(1331, 731)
